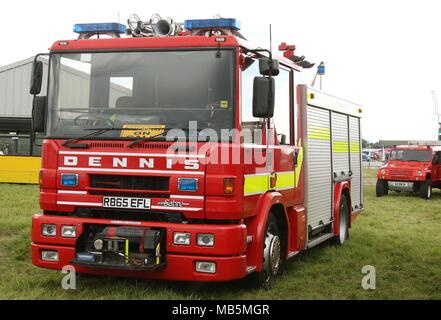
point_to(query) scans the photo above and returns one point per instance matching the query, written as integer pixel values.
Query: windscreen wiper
(69, 142)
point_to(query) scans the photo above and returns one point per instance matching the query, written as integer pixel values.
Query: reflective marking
(178, 196)
(299, 164)
(285, 180)
(131, 170)
(126, 154)
(70, 203)
(71, 192)
(355, 147)
(340, 146)
(319, 133)
(256, 184)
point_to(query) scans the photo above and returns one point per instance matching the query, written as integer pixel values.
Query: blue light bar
(221, 23)
(100, 28)
(69, 180)
(187, 184)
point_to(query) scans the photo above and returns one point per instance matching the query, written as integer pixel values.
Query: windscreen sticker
(142, 131)
(224, 104)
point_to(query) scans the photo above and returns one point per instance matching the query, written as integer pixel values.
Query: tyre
(271, 255)
(426, 189)
(343, 222)
(382, 188)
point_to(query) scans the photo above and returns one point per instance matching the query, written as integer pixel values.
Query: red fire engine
(411, 168)
(121, 198)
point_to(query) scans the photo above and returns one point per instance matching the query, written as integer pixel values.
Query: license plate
(126, 203)
(401, 184)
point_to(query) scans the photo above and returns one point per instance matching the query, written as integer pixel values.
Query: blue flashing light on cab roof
(111, 27)
(221, 23)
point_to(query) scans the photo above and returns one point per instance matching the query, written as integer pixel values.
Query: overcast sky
(384, 55)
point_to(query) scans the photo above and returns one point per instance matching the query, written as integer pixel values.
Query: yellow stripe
(355, 147)
(158, 252)
(340, 147)
(14, 169)
(319, 133)
(127, 252)
(256, 184)
(299, 163)
(285, 180)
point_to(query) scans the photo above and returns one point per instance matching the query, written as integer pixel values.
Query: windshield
(148, 90)
(411, 155)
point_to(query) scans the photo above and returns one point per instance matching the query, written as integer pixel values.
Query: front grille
(130, 194)
(400, 173)
(129, 182)
(130, 215)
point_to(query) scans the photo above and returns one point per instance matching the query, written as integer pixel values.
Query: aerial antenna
(271, 40)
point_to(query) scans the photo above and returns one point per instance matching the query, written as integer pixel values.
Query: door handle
(296, 157)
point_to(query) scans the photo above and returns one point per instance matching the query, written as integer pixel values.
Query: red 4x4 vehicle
(411, 169)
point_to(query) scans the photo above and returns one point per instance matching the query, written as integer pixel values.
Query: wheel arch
(341, 188)
(268, 202)
(283, 226)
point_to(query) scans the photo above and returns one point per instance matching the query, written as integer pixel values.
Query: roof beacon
(217, 26)
(88, 30)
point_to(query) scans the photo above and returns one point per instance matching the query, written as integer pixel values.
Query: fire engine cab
(411, 168)
(184, 152)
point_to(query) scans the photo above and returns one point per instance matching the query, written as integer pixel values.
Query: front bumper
(406, 186)
(228, 253)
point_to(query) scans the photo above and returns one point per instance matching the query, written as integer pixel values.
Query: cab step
(316, 241)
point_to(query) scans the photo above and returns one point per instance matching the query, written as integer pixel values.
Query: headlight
(383, 171)
(205, 240)
(68, 231)
(205, 267)
(181, 238)
(420, 173)
(49, 230)
(49, 255)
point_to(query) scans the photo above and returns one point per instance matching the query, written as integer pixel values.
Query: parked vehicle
(121, 198)
(411, 169)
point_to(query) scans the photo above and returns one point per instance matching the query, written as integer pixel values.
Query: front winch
(121, 248)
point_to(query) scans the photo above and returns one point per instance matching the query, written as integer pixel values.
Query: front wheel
(382, 188)
(426, 189)
(271, 256)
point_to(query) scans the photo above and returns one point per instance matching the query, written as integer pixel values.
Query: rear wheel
(343, 222)
(382, 188)
(272, 257)
(426, 189)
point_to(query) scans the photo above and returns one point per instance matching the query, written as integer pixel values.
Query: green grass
(399, 235)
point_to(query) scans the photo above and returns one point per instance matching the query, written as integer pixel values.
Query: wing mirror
(36, 77)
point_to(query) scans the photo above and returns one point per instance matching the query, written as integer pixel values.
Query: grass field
(400, 235)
